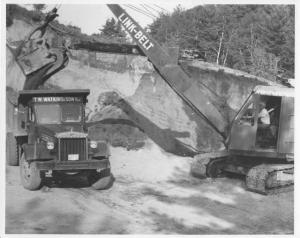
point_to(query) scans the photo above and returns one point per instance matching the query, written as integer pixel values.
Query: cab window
(71, 112)
(48, 113)
(248, 116)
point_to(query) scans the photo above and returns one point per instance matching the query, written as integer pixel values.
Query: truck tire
(30, 176)
(101, 181)
(12, 157)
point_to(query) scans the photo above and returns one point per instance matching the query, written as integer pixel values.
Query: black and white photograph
(148, 118)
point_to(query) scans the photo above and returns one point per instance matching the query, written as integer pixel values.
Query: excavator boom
(195, 94)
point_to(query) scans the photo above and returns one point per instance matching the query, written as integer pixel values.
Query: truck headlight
(50, 145)
(93, 144)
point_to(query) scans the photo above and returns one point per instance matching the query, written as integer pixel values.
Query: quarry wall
(133, 102)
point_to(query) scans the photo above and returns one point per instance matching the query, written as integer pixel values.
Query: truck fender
(101, 151)
(28, 150)
(36, 151)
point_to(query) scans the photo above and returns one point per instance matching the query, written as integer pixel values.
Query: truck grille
(72, 146)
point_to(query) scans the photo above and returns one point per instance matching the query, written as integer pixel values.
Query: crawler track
(265, 178)
(205, 164)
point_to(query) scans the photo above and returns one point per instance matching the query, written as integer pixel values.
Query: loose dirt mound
(150, 165)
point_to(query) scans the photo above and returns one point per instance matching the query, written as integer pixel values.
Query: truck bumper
(73, 165)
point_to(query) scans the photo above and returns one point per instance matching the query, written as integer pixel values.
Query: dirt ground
(152, 193)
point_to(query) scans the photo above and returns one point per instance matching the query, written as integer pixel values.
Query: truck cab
(57, 141)
(264, 125)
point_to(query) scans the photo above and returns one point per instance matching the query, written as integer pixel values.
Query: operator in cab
(263, 116)
(263, 125)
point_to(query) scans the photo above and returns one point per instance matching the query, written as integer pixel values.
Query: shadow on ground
(216, 206)
(70, 181)
(58, 222)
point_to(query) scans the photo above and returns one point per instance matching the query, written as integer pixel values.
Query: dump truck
(46, 130)
(51, 139)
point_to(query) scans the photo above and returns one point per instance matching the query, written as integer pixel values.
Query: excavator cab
(265, 124)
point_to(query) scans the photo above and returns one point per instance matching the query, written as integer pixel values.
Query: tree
(39, 7)
(258, 39)
(112, 28)
(112, 31)
(277, 31)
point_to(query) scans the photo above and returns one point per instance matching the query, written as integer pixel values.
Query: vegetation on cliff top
(109, 33)
(258, 39)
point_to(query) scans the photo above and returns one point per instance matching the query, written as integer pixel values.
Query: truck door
(286, 126)
(243, 130)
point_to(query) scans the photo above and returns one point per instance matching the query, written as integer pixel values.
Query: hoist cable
(148, 6)
(148, 10)
(142, 12)
(160, 7)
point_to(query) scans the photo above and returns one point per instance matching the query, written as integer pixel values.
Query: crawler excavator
(263, 153)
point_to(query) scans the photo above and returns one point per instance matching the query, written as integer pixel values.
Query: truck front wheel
(30, 176)
(100, 181)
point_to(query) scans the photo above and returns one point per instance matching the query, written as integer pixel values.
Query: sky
(91, 17)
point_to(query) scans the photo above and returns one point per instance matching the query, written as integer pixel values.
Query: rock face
(131, 99)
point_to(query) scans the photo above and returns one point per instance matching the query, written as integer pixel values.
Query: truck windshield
(58, 113)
